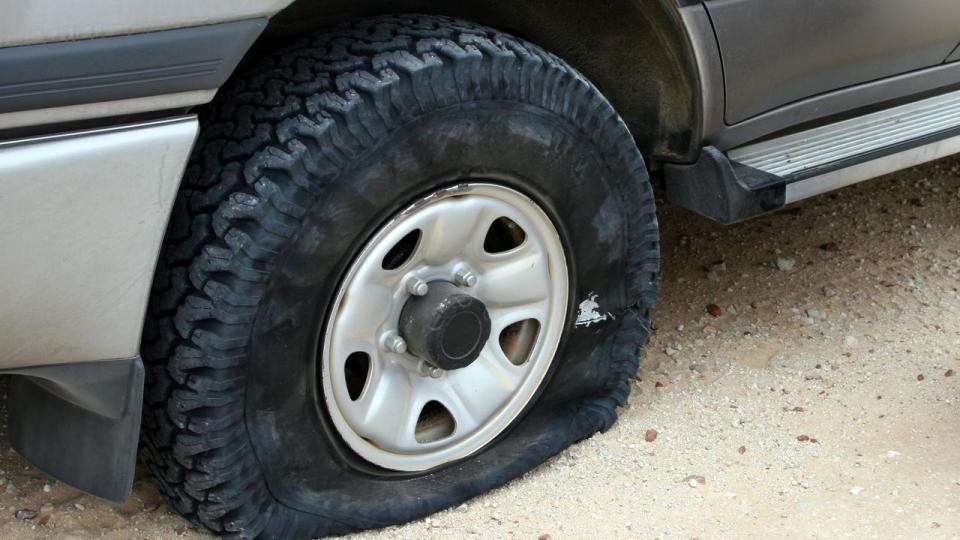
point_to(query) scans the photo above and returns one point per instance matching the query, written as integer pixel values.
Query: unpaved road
(817, 404)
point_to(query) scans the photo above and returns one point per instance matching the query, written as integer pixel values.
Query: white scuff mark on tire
(589, 311)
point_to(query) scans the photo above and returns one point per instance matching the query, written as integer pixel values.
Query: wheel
(412, 258)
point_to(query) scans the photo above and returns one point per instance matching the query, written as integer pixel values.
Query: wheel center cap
(445, 327)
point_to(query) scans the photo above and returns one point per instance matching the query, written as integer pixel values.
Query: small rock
(920, 377)
(710, 330)
(47, 488)
(695, 480)
(830, 246)
(892, 454)
(25, 513)
(850, 341)
(948, 373)
(79, 506)
(803, 438)
(650, 435)
(658, 384)
(742, 450)
(719, 266)
(785, 264)
(856, 490)
(815, 313)
(830, 292)
(714, 310)
(543, 537)
(698, 367)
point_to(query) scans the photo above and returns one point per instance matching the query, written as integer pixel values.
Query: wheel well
(635, 51)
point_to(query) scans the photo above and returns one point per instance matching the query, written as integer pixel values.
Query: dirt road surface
(798, 381)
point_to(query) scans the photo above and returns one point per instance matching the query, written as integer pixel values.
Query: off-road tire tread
(304, 112)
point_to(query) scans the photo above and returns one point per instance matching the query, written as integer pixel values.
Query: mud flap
(79, 423)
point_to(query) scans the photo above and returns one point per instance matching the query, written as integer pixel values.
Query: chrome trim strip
(793, 154)
(870, 169)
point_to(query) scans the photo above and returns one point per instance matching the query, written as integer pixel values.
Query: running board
(764, 176)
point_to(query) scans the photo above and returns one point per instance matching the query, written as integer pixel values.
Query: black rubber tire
(301, 157)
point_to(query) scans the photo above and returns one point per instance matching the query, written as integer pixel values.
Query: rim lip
(542, 355)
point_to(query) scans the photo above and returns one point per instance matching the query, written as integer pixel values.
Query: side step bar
(765, 176)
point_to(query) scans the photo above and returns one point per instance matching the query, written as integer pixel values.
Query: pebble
(785, 264)
(856, 490)
(815, 313)
(695, 480)
(25, 513)
(850, 341)
(717, 267)
(650, 435)
(830, 292)
(47, 488)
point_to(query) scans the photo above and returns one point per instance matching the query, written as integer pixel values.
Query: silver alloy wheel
(398, 411)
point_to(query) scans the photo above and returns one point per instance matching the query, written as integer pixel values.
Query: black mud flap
(79, 423)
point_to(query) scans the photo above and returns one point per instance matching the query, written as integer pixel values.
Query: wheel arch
(636, 51)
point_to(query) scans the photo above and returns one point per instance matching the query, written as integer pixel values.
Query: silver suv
(328, 266)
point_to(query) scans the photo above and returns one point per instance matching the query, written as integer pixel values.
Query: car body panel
(83, 217)
(955, 55)
(44, 21)
(776, 53)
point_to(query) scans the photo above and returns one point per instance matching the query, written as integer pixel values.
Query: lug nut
(417, 286)
(395, 343)
(466, 278)
(426, 370)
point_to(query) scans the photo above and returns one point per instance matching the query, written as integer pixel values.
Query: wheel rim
(392, 405)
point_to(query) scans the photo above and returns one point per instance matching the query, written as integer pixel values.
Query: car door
(776, 52)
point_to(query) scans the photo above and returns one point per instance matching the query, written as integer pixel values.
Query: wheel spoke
(362, 313)
(515, 278)
(457, 229)
(384, 411)
(457, 402)
(486, 384)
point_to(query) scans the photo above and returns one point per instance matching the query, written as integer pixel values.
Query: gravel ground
(798, 384)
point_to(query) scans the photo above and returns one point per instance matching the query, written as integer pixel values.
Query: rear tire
(302, 158)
